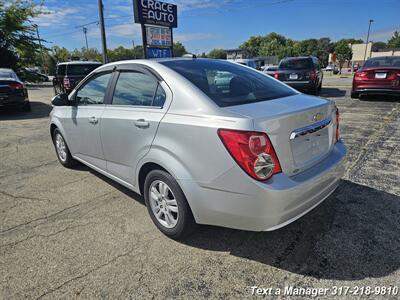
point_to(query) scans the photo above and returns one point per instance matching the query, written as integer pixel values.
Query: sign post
(157, 20)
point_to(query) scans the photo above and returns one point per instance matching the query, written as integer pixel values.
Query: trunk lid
(294, 75)
(300, 127)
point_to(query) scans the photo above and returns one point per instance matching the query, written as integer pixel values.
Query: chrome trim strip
(310, 129)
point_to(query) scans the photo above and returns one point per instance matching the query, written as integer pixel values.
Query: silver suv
(247, 152)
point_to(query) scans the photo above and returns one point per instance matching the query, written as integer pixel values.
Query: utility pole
(103, 32)
(40, 45)
(85, 30)
(366, 45)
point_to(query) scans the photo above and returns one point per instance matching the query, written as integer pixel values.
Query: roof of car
(6, 70)
(78, 62)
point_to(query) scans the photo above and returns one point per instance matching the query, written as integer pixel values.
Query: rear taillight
(66, 83)
(16, 86)
(337, 126)
(276, 75)
(360, 75)
(312, 75)
(252, 151)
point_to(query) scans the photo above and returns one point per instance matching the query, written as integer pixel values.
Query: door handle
(93, 120)
(142, 123)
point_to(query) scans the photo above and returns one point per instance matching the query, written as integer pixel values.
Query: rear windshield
(385, 62)
(295, 64)
(81, 69)
(7, 74)
(229, 84)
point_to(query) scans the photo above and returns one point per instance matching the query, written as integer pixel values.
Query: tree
(217, 54)
(394, 41)
(343, 53)
(18, 43)
(379, 45)
(179, 49)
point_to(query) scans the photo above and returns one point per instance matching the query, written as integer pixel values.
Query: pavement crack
(23, 197)
(50, 291)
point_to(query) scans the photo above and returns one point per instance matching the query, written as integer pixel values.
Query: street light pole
(103, 32)
(85, 33)
(366, 45)
(40, 44)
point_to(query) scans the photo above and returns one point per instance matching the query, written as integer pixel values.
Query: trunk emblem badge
(317, 117)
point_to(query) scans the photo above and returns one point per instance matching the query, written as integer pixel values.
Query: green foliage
(179, 49)
(217, 54)
(18, 43)
(274, 44)
(394, 41)
(343, 53)
(379, 45)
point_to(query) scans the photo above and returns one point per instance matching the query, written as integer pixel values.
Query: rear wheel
(167, 205)
(62, 150)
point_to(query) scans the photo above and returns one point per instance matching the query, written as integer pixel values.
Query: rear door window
(138, 89)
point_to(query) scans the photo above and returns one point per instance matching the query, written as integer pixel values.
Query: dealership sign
(157, 19)
(153, 12)
(153, 52)
(158, 36)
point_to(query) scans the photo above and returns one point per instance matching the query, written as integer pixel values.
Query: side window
(94, 90)
(138, 89)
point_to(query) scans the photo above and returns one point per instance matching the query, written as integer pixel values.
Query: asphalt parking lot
(76, 234)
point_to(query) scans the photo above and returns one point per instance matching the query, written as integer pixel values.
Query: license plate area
(311, 143)
(380, 75)
(293, 76)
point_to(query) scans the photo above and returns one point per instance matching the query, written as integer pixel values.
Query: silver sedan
(246, 152)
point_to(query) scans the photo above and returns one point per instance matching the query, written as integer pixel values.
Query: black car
(301, 73)
(13, 92)
(69, 74)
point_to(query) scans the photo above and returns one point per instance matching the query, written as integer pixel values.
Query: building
(359, 52)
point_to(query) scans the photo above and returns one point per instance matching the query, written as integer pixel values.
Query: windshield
(83, 69)
(385, 62)
(228, 83)
(295, 64)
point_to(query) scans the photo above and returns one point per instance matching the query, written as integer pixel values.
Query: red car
(378, 76)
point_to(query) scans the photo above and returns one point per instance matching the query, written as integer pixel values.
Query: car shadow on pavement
(354, 234)
(380, 98)
(39, 110)
(332, 92)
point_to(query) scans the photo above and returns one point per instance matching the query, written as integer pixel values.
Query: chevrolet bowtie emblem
(317, 117)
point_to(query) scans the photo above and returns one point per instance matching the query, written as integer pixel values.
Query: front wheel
(62, 150)
(167, 205)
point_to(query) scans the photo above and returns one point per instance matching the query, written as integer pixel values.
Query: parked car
(26, 74)
(302, 73)
(378, 76)
(69, 74)
(253, 155)
(270, 70)
(252, 63)
(13, 92)
(332, 68)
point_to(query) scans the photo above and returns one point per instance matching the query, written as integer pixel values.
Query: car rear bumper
(377, 91)
(12, 100)
(301, 85)
(235, 200)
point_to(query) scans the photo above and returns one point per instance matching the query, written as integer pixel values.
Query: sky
(205, 24)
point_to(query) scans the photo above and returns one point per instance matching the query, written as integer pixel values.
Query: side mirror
(60, 100)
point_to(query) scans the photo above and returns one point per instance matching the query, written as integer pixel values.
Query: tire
(175, 218)
(314, 90)
(26, 107)
(354, 95)
(64, 157)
